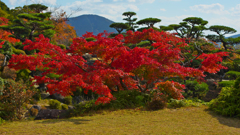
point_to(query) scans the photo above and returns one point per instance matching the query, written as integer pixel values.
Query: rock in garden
(51, 114)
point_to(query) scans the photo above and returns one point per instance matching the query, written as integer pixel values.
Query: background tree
(221, 31)
(191, 28)
(119, 26)
(130, 20)
(64, 32)
(31, 25)
(149, 22)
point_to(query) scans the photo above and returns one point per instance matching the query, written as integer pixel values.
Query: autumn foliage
(118, 67)
(4, 35)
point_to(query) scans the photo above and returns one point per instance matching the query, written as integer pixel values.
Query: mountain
(90, 23)
(234, 36)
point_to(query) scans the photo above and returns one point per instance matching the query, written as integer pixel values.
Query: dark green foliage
(174, 103)
(191, 27)
(233, 74)
(227, 102)
(90, 39)
(35, 25)
(68, 100)
(23, 74)
(143, 43)
(195, 89)
(55, 104)
(83, 107)
(148, 21)
(64, 107)
(62, 46)
(221, 31)
(119, 26)
(227, 83)
(129, 99)
(130, 21)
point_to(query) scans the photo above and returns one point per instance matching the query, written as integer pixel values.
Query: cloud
(12, 2)
(111, 11)
(162, 9)
(27, 2)
(213, 8)
(235, 11)
(172, 20)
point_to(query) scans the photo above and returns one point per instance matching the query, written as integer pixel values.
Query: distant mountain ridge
(90, 23)
(234, 36)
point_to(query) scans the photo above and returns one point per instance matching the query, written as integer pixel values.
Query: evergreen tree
(31, 25)
(130, 21)
(222, 31)
(190, 28)
(119, 26)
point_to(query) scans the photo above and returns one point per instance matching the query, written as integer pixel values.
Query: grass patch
(185, 120)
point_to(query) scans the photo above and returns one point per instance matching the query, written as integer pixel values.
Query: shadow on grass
(53, 121)
(228, 121)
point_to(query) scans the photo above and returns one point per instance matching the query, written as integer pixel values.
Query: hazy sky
(216, 12)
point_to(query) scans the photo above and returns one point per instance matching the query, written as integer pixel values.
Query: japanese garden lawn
(187, 120)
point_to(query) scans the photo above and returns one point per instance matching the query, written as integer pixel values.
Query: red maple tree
(118, 67)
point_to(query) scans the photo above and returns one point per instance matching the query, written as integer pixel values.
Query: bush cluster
(195, 89)
(227, 103)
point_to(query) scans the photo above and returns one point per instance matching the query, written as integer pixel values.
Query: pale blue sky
(216, 12)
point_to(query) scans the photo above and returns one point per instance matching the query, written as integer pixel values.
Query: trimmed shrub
(64, 107)
(195, 89)
(233, 74)
(55, 104)
(90, 39)
(157, 102)
(226, 83)
(68, 100)
(129, 99)
(227, 102)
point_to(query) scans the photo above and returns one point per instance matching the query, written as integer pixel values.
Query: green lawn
(187, 120)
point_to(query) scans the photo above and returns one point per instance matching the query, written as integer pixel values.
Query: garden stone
(44, 95)
(51, 114)
(59, 97)
(71, 107)
(36, 107)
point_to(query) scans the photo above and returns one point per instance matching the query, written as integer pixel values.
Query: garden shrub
(33, 112)
(195, 89)
(157, 102)
(68, 100)
(174, 103)
(64, 107)
(90, 39)
(129, 99)
(233, 74)
(62, 46)
(227, 102)
(83, 107)
(54, 104)
(226, 83)
(1, 121)
(14, 96)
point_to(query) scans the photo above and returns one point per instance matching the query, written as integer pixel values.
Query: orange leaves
(4, 34)
(171, 89)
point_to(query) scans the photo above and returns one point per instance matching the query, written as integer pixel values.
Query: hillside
(234, 36)
(90, 23)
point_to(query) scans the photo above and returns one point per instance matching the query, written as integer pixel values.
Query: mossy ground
(186, 120)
